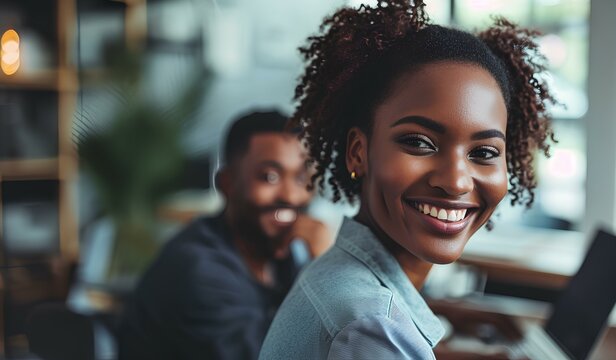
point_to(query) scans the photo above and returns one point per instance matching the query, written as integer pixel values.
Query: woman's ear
(357, 152)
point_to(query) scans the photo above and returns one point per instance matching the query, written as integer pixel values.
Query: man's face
(268, 189)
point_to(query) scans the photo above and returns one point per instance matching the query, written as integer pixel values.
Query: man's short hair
(248, 125)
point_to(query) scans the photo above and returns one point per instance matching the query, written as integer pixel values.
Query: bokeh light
(9, 52)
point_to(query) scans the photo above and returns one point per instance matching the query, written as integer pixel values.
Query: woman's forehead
(445, 90)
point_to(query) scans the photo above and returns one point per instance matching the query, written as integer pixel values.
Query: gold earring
(353, 175)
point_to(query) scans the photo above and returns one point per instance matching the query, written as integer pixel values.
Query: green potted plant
(135, 161)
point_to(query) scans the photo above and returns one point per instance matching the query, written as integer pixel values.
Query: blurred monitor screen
(30, 217)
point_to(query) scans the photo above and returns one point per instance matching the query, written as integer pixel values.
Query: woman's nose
(453, 176)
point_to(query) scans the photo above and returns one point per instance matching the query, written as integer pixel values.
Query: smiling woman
(429, 127)
(447, 160)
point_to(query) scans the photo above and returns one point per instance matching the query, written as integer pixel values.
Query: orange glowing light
(9, 52)
(10, 35)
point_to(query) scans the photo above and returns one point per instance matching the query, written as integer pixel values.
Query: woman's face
(434, 168)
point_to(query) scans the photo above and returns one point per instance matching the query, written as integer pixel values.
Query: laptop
(580, 314)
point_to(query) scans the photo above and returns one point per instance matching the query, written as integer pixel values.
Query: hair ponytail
(528, 123)
(350, 39)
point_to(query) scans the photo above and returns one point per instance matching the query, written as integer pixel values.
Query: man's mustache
(275, 207)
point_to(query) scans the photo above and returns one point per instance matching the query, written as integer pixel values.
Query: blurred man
(214, 289)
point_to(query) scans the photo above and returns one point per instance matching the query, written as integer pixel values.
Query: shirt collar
(359, 241)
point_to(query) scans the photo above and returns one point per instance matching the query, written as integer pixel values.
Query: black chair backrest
(56, 333)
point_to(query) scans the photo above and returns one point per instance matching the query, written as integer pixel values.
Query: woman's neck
(415, 269)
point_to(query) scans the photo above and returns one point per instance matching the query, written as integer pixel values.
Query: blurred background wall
(251, 47)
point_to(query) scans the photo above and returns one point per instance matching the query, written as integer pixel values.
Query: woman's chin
(444, 259)
(444, 254)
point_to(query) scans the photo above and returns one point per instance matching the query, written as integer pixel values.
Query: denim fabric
(353, 302)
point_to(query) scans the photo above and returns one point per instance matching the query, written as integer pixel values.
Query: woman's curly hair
(353, 63)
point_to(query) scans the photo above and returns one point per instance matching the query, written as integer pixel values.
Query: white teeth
(441, 214)
(285, 215)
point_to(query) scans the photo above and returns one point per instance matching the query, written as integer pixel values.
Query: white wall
(601, 118)
(252, 47)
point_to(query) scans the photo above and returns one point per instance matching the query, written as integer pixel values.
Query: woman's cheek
(494, 186)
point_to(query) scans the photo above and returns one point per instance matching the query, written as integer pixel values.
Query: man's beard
(251, 226)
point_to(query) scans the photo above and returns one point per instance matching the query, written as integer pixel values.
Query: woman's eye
(417, 142)
(271, 177)
(485, 153)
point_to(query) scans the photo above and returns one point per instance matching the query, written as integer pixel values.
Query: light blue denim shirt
(354, 302)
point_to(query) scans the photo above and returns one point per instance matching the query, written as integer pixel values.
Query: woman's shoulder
(342, 289)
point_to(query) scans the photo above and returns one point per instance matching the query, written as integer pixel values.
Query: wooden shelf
(131, 2)
(58, 85)
(56, 80)
(93, 76)
(35, 169)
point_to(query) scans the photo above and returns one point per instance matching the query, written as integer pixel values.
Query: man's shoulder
(197, 239)
(342, 289)
(199, 249)
(206, 231)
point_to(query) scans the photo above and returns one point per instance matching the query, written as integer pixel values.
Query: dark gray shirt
(199, 300)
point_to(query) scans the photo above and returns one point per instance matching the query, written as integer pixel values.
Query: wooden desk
(513, 272)
(184, 207)
(606, 349)
(527, 256)
(476, 309)
(24, 284)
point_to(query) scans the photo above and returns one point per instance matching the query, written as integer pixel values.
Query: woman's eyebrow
(421, 121)
(487, 134)
(436, 127)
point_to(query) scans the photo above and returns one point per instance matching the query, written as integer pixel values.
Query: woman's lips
(443, 219)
